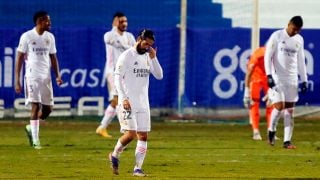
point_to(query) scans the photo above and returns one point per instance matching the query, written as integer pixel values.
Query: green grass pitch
(72, 150)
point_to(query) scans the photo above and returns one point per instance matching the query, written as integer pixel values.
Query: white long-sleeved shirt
(132, 78)
(37, 47)
(115, 44)
(284, 58)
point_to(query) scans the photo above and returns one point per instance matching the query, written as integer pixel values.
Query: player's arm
(155, 67)
(54, 61)
(250, 67)
(110, 59)
(270, 51)
(22, 49)
(19, 62)
(119, 73)
(55, 67)
(302, 69)
(302, 65)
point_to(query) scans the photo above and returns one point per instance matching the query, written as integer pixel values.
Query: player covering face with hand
(132, 82)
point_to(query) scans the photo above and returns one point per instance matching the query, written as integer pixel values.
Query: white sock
(109, 114)
(118, 149)
(288, 124)
(274, 118)
(34, 125)
(140, 153)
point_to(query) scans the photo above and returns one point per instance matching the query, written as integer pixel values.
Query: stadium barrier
(215, 68)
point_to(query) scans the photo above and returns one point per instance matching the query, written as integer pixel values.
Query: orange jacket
(257, 63)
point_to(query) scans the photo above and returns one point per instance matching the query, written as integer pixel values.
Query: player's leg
(35, 124)
(129, 126)
(33, 98)
(291, 97)
(277, 96)
(45, 112)
(140, 153)
(254, 112)
(110, 111)
(288, 128)
(144, 126)
(255, 118)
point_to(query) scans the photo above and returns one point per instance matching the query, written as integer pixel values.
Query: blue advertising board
(81, 54)
(216, 66)
(214, 75)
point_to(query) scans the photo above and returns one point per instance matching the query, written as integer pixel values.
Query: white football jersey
(115, 44)
(37, 48)
(284, 57)
(132, 78)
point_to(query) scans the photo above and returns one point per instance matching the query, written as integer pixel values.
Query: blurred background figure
(37, 49)
(255, 82)
(116, 41)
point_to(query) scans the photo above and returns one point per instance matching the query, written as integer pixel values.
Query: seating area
(272, 13)
(96, 13)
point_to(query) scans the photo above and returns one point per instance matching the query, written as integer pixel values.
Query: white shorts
(111, 86)
(284, 93)
(38, 90)
(134, 120)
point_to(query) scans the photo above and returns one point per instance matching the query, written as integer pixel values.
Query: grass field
(71, 150)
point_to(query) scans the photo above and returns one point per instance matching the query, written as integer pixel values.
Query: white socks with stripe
(140, 153)
(34, 125)
(275, 116)
(109, 114)
(288, 124)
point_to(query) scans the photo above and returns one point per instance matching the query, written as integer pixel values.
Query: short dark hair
(147, 33)
(118, 14)
(297, 20)
(39, 14)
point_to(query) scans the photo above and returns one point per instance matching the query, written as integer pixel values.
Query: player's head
(121, 21)
(295, 25)
(42, 19)
(145, 40)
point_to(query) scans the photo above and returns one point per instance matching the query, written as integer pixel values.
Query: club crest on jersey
(34, 43)
(47, 42)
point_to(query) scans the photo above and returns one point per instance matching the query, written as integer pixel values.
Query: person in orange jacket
(255, 82)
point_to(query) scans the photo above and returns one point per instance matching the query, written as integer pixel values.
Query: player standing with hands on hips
(132, 82)
(37, 49)
(284, 61)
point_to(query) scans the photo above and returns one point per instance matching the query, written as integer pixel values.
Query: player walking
(284, 61)
(116, 41)
(132, 83)
(37, 49)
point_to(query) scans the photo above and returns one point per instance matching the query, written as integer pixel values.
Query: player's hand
(304, 87)
(59, 81)
(152, 52)
(247, 102)
(126, 105)
(266, 98)
(17, 88)
(115, 22)
(271, 82)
